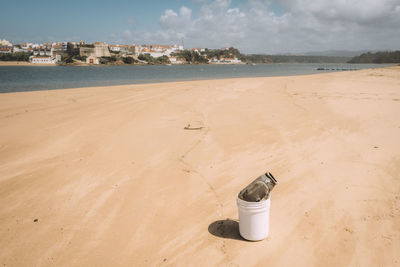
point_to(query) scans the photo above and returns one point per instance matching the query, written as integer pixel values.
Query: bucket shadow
(226, 229)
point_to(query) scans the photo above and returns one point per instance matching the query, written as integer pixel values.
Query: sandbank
(108, 176)
(23, 63)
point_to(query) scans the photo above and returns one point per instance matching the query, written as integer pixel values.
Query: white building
(26, 45)
(177, 47)
(173, 49)
(6, 49)
(58, 46)
(43, 52)
(198, 50)
(160, 50)
(114, 48)
(231, 60)
(226, 61)
(155, 54)
(41, 60)
(125, 49)
(4, 42)
(175, 60)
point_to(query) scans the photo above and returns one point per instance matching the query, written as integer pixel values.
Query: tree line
(294, 59)
(202, 57)
(19, 56)
(377, 58)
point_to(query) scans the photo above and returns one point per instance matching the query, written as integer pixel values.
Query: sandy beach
(108, 176)
(23, 63)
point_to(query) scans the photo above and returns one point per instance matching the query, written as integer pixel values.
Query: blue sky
(254, 26)
(89, 20)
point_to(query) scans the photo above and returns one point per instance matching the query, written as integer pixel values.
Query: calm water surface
(27, 78)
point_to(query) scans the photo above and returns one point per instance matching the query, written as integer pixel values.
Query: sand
(23, 63)
(108, 176)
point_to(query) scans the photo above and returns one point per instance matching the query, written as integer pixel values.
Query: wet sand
(108, 176)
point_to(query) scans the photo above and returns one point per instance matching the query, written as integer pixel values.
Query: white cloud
(305, 25)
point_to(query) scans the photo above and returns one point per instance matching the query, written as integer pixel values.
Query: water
(27, 78)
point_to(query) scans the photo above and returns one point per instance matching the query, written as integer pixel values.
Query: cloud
(179, 23)
(304, 25)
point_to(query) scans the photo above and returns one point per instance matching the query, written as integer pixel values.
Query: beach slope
(109, 176)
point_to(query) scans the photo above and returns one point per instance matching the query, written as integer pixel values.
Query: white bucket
(254, 218)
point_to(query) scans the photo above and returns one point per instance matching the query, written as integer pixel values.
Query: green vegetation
(65, 57)
(20, 56)
(207, 55)
(231, 52)
(146, 57)
(105, 60)
(191, 56)
(151, 60)
(294, 59)
(203, 57)
(69, 60)
(71, 54)
(377, 58)
(163, 60)
(129, 60)
(72, 50)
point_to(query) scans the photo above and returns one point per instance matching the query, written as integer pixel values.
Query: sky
(253, 26)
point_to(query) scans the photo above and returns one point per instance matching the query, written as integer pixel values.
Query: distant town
(81, 53)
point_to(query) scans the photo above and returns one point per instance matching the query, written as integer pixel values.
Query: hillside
(294, 59)
(378, 57)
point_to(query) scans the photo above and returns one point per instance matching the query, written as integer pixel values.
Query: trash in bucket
(254, 203)
(259, 188)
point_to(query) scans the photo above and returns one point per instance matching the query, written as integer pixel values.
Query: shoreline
(189, 79)
(83, 64)
(25, 63)
(109, 176)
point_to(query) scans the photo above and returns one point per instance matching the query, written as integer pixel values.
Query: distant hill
(378, 57)
(294, 59)
(338, 53)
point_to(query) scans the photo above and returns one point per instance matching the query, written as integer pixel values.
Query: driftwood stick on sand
(188, 127)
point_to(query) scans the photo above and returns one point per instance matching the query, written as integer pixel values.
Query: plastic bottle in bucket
(254, 202)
